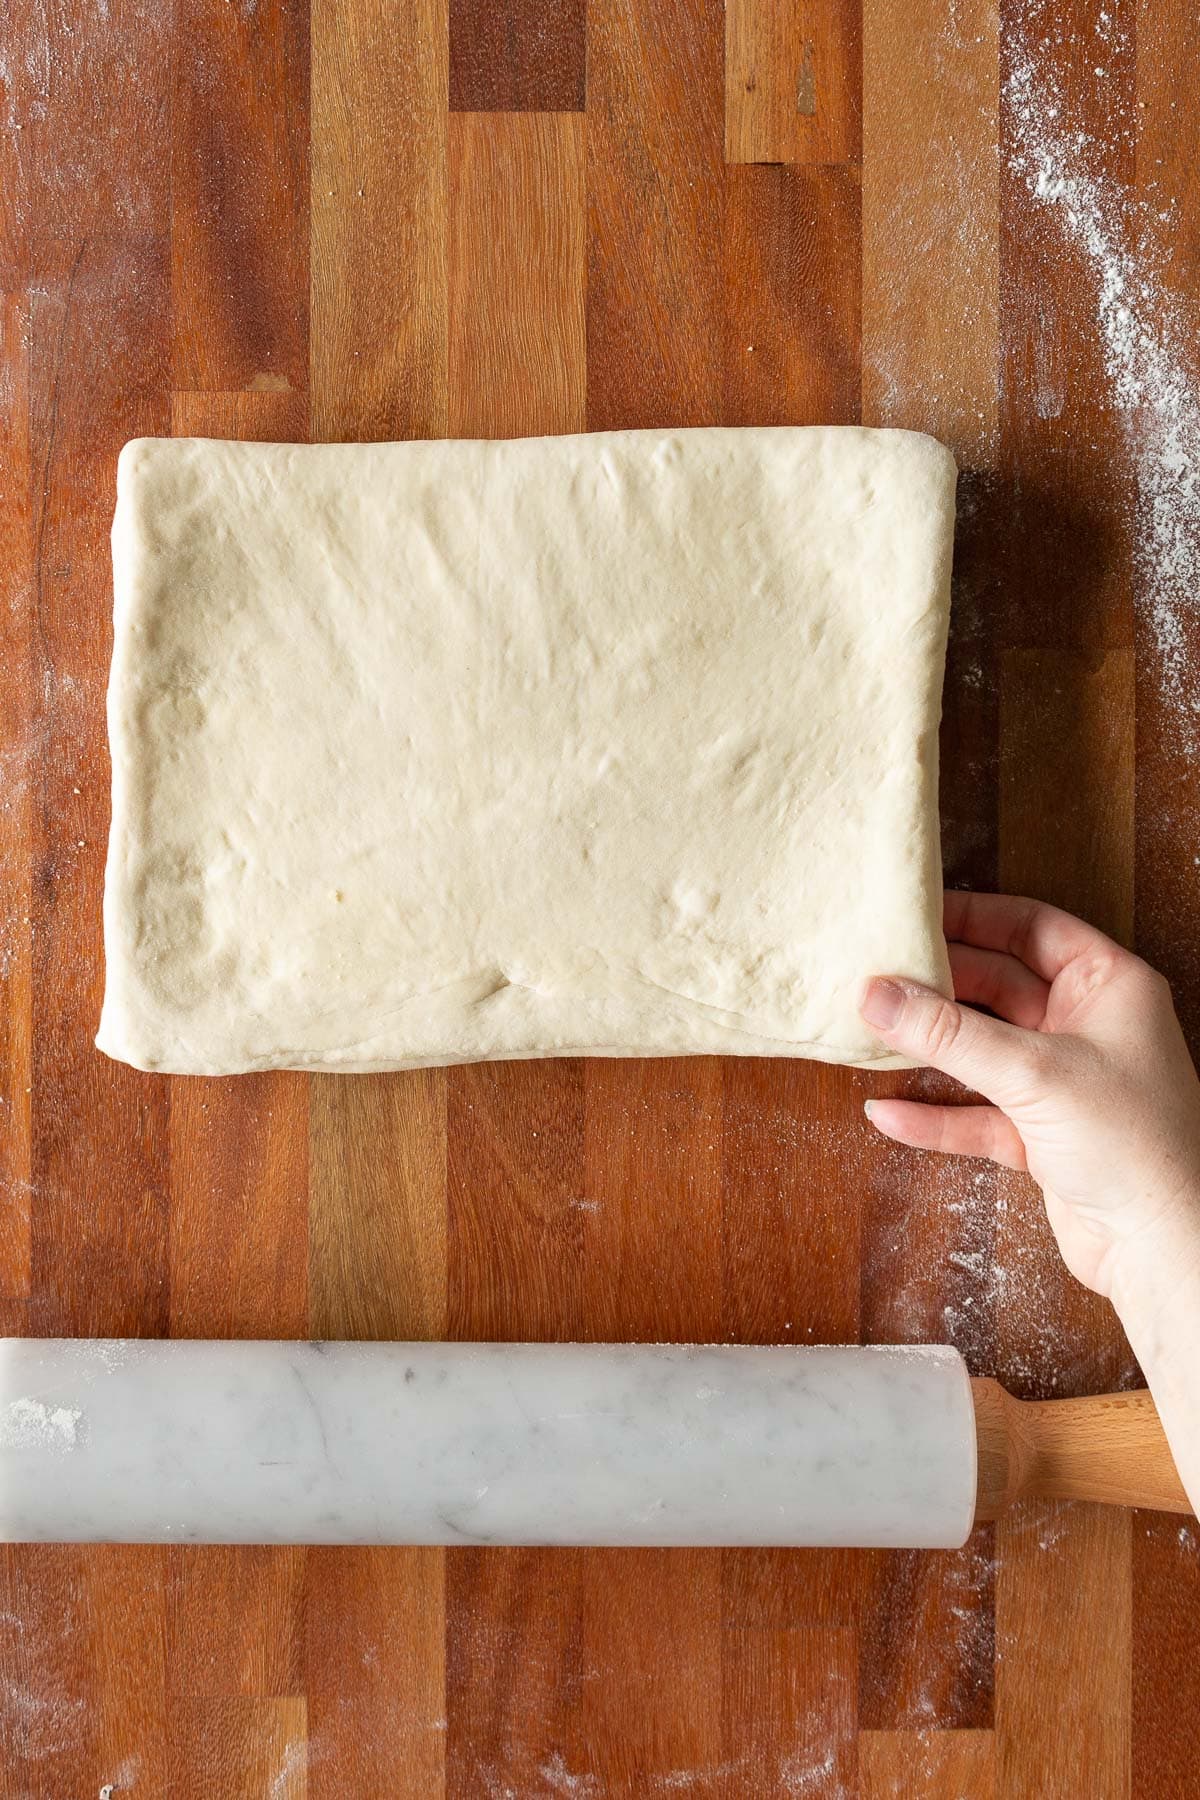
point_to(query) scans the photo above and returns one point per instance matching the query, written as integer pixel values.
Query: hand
(1088, 1077)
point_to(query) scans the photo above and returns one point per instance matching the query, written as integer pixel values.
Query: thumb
(983, 1053)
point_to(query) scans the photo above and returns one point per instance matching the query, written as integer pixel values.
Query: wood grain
(931, 223)
(378, 219)
(244, 1748)
(399, 222)
(517, 364)
(793, 78)
(375, 1673)
(1069, 1565)
(926, 1765)
(515, 1671)
(517, 55)
(235, 1621)
(655, 205)
(19, 748)
(1165, 1698)
(788, 1717)
(650, 1714)
(377, 1205)
(98, 352)
(653, 1128)
(239, 192)
(792, 296)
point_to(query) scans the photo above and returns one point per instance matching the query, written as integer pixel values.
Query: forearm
(1156, 1293)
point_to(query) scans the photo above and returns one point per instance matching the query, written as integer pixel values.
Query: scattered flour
(290, 1778)
(1148, 336)
(28, 1424)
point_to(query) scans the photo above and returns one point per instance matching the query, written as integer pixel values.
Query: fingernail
(867, 1105)
(882, 1003)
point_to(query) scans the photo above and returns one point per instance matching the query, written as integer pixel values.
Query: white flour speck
(28, 1424)
(1147, 336)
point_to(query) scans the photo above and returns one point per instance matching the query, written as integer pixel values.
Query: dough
(612, 745)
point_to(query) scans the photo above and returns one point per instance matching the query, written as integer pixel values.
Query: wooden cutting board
(465, 217)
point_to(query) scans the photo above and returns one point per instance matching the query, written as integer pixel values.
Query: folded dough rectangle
(614, 745)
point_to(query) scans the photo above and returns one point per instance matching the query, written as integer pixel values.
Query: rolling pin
(140, 1441)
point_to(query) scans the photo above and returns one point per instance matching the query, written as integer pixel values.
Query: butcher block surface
(497, 217)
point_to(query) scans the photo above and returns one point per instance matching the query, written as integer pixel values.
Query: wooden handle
(1109, 1448)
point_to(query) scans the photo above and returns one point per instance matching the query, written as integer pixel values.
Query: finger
(952, 1130)
(1043, 937)
(997, 1059)
(990, 978)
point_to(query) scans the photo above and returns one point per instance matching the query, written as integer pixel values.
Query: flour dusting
(28, 1424)
(1147, 336)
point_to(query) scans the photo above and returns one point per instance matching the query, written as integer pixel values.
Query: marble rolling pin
(151, 1442)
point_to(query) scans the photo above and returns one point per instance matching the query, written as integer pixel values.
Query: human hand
(1088, 1078)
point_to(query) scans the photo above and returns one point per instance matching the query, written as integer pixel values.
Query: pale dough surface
(623, 744)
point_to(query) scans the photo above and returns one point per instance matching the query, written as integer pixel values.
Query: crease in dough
(621, 744)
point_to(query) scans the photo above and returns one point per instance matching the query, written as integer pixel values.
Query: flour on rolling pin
(28, 1424)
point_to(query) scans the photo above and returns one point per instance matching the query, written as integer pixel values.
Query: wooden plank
(378, 219)
(652, 1224)
(76, 168)
(926, 1765)
(792, 1141)
(654, 181)
(374, 1654)
(1165, 1752)
(235, 1621)
(927, 1639)
(515, 1673)
(655, 357)
(787, 1712)
(652, 1271)
(263, 415)
(517, 274)
(1168, 529)
(377, 1205)
(931, 222)
(238, 1148)
(240, 1748)
(98, 356)
(1072, 1564)
(85, 283)
(375, 1673)
(81, 1639)
(239, 196)
(517, 55)
(650, 1714)
(239, 1207)
(1063, 1634)
(515, 1181)
(793, 81)
(790, 1590)
(19, 748)
(792, 296)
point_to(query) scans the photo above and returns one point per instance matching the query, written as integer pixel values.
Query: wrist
(1155, 1271)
